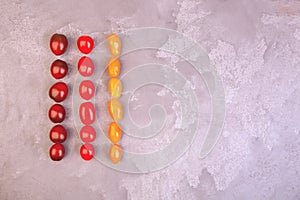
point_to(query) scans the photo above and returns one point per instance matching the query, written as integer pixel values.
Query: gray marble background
(255, 47)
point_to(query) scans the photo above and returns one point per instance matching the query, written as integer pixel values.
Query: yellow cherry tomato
(115, 109)
(115, 153)
(114, 132)
(114, 67)
(115, 87)
(114, 44)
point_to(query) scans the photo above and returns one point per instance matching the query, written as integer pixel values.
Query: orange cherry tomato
(114, 44)
(114, 132)
(115, 87)
(115, 153)
(114, 67)
(115, 109)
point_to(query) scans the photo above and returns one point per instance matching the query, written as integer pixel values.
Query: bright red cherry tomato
(87, 151)
(58, 44)
(57, 152)
(57, 113)
(87, 113)
(86, 89)
(85, 44)
(58, 92)
(58, 134)
(59, 69)
(87, 134)
(86, 66)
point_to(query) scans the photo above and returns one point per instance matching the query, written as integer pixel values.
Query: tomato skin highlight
(57, 152)
(87, 134)
(58, 92)
(57, 113)
(59, 69)
(58, 134)
(85, 44)
(86, 89)
(87, 151)
(58, 44)
(86, 66)
(87, 113)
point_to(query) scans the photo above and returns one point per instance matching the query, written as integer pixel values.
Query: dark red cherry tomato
(87, 113)
(58, 92)
(87, 151)
(85, 44)
(57, 113)
(59, 69)
(86, 89)
(57, 152)
(87, 134)
(58, 44)
(58, 134)
(86, 66)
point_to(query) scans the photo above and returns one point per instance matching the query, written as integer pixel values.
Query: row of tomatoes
(87, 111)
(58, 92)
(114, 106)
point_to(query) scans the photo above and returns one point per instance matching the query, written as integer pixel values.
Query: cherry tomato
(114, 132)
(58, 44)
(87, 151)
(87, 113)
(115, 153)
(115, 109)
(87, 134)
(59, 69)
(57, 113)
(86, 89)
(86, 66)
(58, 92)
(57, 152)
(85, 44)
(58, 134)
(114, 67)
(114, 44)
(115, 87)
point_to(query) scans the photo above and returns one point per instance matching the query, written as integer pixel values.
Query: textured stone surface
(255, 47)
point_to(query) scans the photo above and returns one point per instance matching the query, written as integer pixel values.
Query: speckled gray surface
(255, 47)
